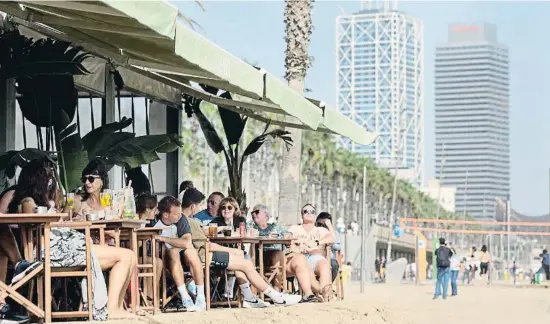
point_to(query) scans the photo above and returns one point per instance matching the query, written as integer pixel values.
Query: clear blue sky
(253, 30)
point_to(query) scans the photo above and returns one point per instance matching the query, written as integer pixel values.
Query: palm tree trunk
(298, 28)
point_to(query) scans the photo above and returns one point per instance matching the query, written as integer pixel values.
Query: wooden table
(43, 223)
(262, 241)
(130, 226)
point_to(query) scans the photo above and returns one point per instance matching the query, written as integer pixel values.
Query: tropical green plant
(107, 143)
(234, 125)
(44, 72)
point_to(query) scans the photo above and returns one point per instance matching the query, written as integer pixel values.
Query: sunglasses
(90, 179)
(227, 207)
(212, 202)
(254, 212)
(308, 211)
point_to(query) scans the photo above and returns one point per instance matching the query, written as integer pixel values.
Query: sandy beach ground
(392, 304)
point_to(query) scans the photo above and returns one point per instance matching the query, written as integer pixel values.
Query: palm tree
(298, 28)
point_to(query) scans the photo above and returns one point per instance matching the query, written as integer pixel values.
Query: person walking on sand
(484, 259)
(455, 270)
(443, 259)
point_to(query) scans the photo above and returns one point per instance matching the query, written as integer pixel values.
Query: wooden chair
(339, 281)
(338, 284)
(169, 292)
(146, 267)
(84, 271)
(274, 273)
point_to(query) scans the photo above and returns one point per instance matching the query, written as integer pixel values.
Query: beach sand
(392, 304)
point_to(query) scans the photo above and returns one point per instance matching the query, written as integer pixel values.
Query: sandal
(327, 292)
(141, 312)
(4, 310)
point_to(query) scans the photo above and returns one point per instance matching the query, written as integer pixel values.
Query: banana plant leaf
(134, 161)
(106, 135)
(43, 71)
(72, 156)
(210, 89)
(43, 56)
(210, 133)
(11, 160)
(140, 150)
(257, 143)
(43, 97)
(233, 123)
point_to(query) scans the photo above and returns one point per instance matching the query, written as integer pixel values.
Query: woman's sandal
(327, 293)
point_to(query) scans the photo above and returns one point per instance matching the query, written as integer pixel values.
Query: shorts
(220, 260)
(312, 259)
(483, 267)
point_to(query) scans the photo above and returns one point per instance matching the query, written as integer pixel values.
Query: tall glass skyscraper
(379, 70)
(472, 118)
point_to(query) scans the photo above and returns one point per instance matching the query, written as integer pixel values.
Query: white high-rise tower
(380, 76)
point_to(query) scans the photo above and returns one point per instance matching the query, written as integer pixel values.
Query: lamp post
(439, 188)
(464, 209)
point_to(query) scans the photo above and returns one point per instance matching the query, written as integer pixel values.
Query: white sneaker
(200, 305)
(258, 303)
(288, 300)
(189, 306)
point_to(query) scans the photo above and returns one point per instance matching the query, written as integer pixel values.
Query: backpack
(443, 255)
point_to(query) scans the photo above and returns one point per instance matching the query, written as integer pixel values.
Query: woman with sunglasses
(296, 263)
(37, 187)
(311, 241)
(229, 214)
(94, 179)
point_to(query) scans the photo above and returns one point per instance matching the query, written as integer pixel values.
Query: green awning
(340, 124)
(147, 39)
(148, 34)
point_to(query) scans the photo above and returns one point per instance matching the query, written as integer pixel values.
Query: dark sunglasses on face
(227, 207)
(254, 212)
(90, 179)
(211, 202)
(308, 211)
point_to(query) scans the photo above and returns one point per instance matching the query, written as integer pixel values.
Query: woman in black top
(229, 214)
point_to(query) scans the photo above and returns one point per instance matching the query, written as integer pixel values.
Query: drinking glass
(108, 197)
(70, 200)
(103, 200)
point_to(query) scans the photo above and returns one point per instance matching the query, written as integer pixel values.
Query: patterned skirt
(68, 249)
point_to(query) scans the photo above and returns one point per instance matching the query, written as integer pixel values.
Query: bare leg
(297, 266)
(194, 262)
(121, 262)
(8, 244)
(173, 264)
(3, 271)
(322, 270)
(240, 277)
(246, 266)
(315, 285)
